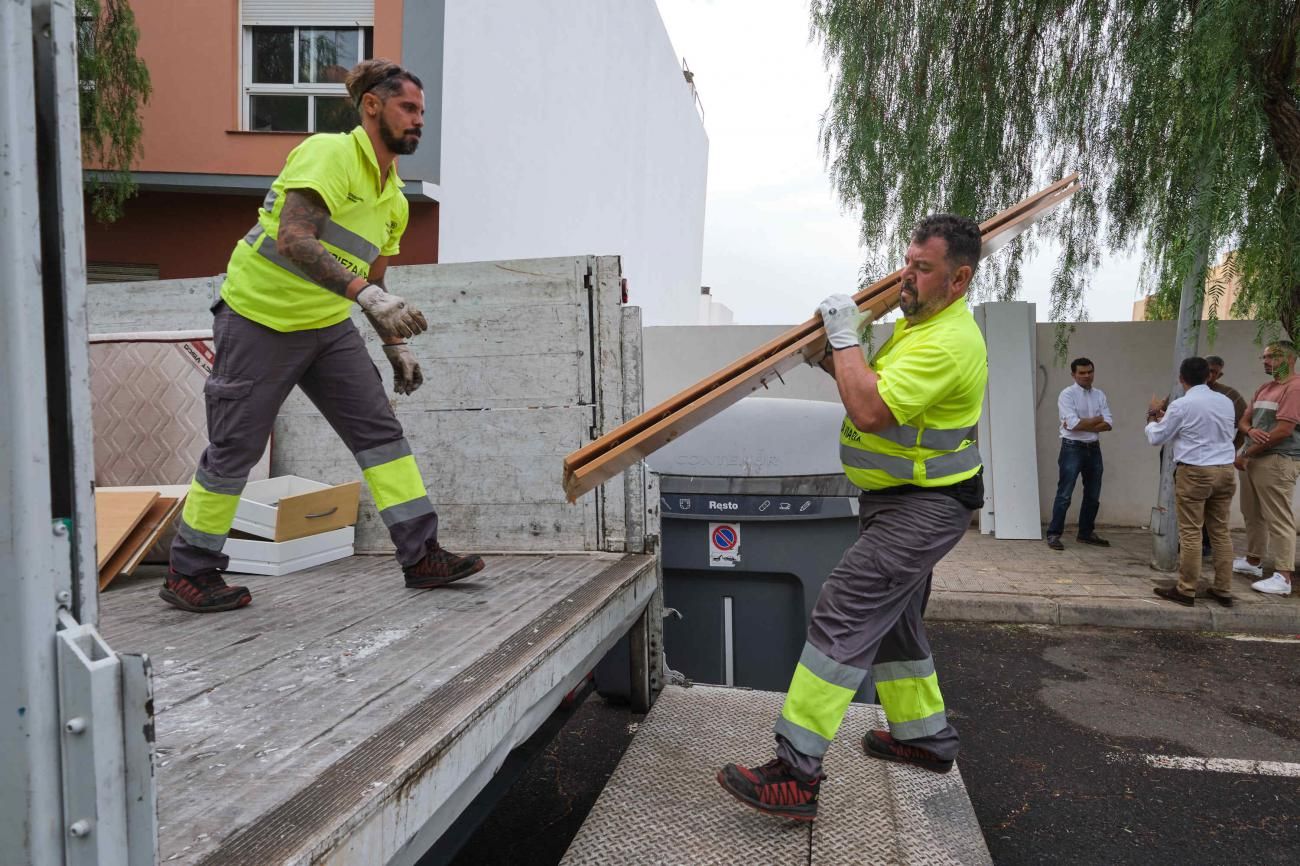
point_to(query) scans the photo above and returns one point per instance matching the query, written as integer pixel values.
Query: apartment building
(553, 127)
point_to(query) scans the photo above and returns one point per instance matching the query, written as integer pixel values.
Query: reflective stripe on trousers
(395, 482)
(868, 617)
(209, 509)
(822, 689)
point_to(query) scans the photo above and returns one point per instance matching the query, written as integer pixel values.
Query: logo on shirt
(392, 226)
(354, 198)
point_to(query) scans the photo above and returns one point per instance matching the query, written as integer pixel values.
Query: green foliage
(1181, 117)
(114, 84)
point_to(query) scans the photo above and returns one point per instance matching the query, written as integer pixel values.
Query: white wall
(1133, 361)
(569, 129)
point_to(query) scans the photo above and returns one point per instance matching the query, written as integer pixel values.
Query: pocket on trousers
(228, 407)
(227, 388)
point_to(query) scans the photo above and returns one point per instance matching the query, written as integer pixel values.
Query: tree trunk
(1290, 313)
(1280, 104)
(1282, 109)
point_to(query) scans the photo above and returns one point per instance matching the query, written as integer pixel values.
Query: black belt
(1076, 443)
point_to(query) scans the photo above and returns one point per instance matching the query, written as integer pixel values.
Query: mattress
(148, 409)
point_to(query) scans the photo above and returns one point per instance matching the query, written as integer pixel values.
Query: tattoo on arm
(302, 219)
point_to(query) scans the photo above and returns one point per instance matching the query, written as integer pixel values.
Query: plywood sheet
(613, 452)
(146, 533)
(116, 514)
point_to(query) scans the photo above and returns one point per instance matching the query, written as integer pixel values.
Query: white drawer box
(288, 507)
(251, 556)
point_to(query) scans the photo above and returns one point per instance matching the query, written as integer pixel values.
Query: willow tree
(1183, 117)
(114, 83)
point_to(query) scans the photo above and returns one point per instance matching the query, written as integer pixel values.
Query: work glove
(391, 315)
(845, 309)
(841, 318)
(406, 370)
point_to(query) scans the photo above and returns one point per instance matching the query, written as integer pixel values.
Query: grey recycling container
(756, 511)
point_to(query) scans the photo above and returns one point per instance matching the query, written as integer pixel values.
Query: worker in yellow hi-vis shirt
(908, 442)
(321, 243)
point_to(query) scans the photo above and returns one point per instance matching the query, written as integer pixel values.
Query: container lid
(758, 438)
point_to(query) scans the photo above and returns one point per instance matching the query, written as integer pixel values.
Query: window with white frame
(293, 77)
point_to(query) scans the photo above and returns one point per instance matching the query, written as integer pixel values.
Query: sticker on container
(724, 545)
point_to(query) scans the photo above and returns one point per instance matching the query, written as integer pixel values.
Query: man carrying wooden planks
(907, 442)
(321, 243)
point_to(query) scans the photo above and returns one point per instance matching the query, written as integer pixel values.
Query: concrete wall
(569, 126)
(1133, 361)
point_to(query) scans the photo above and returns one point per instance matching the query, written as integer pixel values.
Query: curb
(1136, 613)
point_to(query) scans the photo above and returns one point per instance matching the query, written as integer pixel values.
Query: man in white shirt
(1084, 414)
(1200, 425)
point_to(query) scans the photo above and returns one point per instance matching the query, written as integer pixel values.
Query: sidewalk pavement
(985, 579)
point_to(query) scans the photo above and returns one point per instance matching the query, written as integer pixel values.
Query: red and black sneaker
(440, 567)
(772, 788)
(879, 744)
(203, 593)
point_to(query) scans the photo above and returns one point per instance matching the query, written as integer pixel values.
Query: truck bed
(343, 719)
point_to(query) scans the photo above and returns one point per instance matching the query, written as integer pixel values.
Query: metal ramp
(662, 804)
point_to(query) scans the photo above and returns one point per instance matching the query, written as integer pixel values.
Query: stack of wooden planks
(128, 522)
(602, 459)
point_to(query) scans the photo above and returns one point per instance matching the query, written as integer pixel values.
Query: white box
(251, 556)
(288, 507)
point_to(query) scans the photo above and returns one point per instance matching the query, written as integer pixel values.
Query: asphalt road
(1055, 724)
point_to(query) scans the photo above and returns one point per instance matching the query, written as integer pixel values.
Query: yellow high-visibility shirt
(932, 378)
(366, 221)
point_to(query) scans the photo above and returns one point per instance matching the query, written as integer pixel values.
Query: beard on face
(401, 143)
(908, 300)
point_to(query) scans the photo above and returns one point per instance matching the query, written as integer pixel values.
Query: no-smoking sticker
(724, 545)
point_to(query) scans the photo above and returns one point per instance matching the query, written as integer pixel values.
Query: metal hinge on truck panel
(106, 745)
(593, 348)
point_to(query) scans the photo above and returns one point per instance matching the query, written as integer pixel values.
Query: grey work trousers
(256, 368)
(868, 616)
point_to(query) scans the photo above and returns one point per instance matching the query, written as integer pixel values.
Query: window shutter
(338, 13)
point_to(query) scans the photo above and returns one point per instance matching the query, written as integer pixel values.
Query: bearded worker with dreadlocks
(907, 443)
(321, 243)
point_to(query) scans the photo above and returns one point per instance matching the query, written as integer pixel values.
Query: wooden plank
(133, 548)
(116, 514)
(602, 459)
(163, 525)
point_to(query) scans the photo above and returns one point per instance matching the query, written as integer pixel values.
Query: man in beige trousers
(1269, 464)
(1199, 426)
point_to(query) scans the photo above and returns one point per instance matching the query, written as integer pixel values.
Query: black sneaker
(1054, 542)
(773, 789)
(1223, 598)
(1095, 540)
(1172, 594)
(880, 744)
(203, 593)
(439, 568)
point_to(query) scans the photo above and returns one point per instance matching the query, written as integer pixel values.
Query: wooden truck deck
(343, 719)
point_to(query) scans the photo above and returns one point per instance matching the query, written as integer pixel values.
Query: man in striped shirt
(1269, 464)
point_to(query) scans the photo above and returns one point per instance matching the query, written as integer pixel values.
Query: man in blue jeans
(1084, 414)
